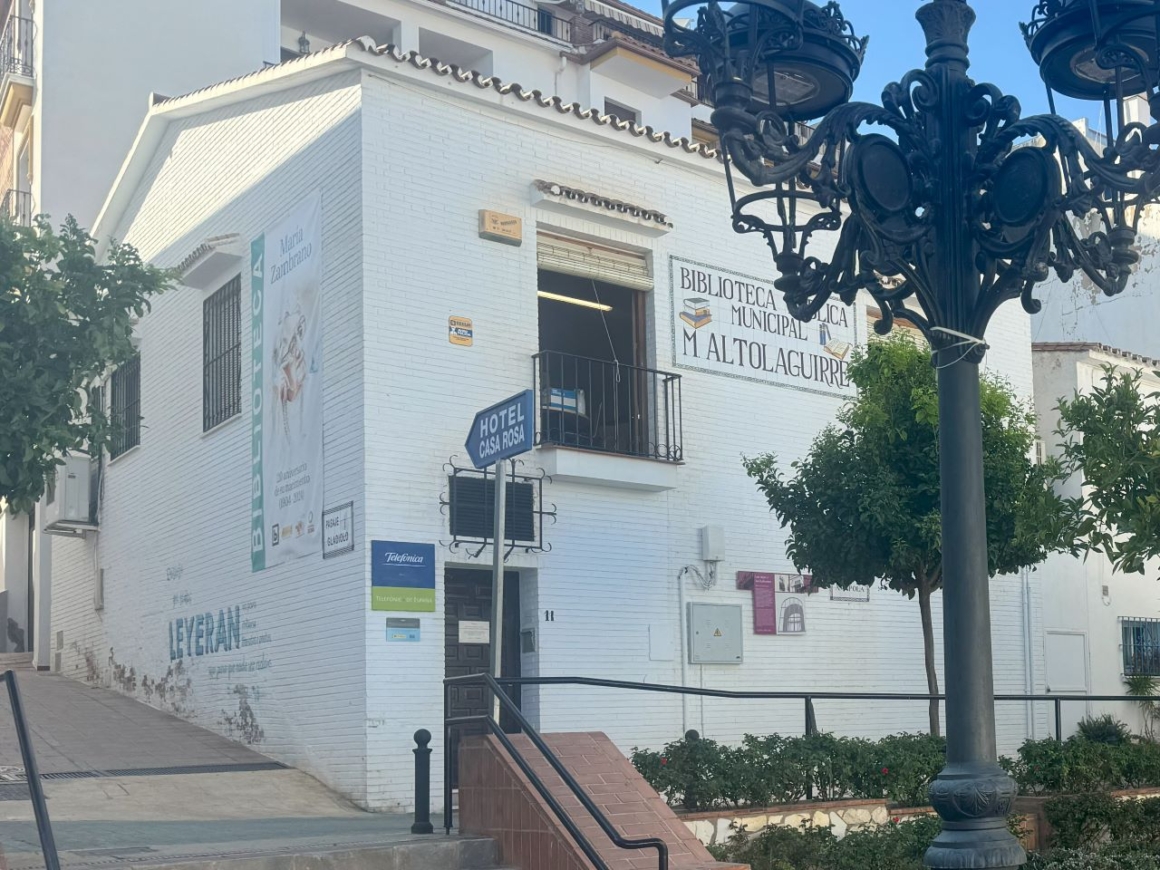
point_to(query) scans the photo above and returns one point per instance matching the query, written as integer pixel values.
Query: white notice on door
(474, 632)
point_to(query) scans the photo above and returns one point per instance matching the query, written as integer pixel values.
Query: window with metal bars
(222, 355)
(472, 504)
(1141, 645)
(125, 410)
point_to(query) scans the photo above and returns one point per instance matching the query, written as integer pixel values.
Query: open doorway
(595, 389)
(467, 643)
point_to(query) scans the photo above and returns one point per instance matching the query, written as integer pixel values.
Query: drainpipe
(1028, 652)
(31, 580)
(684, 651)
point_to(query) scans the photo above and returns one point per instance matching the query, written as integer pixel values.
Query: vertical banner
(286, 387)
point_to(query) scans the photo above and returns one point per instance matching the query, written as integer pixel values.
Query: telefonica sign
(503, 430)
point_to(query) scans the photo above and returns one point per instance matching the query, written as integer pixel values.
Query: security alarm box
(714, 634)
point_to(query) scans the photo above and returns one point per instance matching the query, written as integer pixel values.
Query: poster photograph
(733, 324)
(286, 425)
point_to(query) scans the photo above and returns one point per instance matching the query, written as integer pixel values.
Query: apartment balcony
(608, 407)
(17, 70)
(529, 18)
(17, 207)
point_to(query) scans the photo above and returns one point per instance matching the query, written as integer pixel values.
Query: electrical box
(66, 505)
(712, 543)
(714, 634)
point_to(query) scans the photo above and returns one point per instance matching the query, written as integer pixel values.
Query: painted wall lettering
(204, 634)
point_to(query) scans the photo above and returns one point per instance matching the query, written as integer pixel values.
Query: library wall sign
(733, 324)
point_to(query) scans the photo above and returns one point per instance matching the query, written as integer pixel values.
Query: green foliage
(64, 318)
(863, 506)
(1079, 765)
(1112, 437)
(1146, 685)
(890, 847)
(1085, 859)
(1105, 729)
(765, 771)
(1083, 821)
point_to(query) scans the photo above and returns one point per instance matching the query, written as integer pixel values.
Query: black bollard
(423, 783)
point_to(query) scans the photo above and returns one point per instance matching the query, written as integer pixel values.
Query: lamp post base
(974, 801)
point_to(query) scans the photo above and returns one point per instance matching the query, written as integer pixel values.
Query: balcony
(16, 69)
(17, 207)
(608, 407)
(530, 18)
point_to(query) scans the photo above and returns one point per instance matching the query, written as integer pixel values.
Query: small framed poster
(338, 530)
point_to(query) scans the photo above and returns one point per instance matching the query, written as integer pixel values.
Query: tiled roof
(435, 67)
(1056, 346)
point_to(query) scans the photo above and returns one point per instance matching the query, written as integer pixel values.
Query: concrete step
(16, 662)
(429, 853)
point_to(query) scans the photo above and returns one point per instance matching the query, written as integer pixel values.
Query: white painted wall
(1079, 311)
(1075, 609)
(175, 520)
(400, 224)
(96, 65)
(13, 577)
(612, 573)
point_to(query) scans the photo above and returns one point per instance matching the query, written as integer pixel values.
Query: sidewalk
(145, 813)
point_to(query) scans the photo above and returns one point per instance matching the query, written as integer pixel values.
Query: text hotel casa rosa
(501, 429)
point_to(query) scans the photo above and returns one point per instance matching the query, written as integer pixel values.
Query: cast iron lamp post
(959, 207)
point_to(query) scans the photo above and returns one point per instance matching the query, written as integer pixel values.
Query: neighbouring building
(76, 80)
(1099, 625)
(291, 543)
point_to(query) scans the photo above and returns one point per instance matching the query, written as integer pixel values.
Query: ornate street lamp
(955, 207)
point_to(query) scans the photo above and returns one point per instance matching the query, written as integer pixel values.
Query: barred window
(1141, 644)
(125, 410)
(472, 508)
(222, 355)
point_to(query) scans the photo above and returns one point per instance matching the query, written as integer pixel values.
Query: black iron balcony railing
(17, 207)
(530, 18)
(608, 407)
(16, 47)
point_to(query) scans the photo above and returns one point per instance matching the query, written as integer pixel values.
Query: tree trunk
(924, 593)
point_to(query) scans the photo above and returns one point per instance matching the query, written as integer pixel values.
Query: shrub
(890, 847)
(1080, 765)
(762, 771)
(1105, 729)
(1083, 859)
(1091, 820)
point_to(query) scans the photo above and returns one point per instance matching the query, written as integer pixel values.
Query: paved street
(251, 808)
(78, 728)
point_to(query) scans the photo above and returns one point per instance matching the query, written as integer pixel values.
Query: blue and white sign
(503, 431)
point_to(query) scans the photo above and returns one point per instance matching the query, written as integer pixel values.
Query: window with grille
(1141, 645)
(125, 410)
(222, 355)
(472, 509)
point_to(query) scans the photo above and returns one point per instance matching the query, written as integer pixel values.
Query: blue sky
(998, 54)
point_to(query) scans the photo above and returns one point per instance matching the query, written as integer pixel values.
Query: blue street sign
(503, 431)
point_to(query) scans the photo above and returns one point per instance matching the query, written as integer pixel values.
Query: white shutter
(591, 260)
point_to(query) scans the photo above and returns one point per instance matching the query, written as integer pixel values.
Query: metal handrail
(810, 697)
(558, 810)
(17, 207)
(32, 774)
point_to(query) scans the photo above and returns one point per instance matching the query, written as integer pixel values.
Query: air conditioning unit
(66, 509)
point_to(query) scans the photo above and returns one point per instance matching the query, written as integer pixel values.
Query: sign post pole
(497, 434)
(497, 558)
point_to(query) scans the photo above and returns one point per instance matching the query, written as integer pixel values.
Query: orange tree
(863, 505)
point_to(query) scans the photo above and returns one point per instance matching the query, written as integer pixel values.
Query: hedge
(702, 774)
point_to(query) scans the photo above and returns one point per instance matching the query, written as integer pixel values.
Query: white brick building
(404, 155)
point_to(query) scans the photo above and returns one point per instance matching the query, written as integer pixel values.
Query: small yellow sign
(497, 227)
(459, 331)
